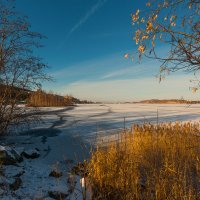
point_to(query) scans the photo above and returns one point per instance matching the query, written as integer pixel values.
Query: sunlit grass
(150, 162)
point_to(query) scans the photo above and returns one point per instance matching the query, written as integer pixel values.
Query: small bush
(151, 162)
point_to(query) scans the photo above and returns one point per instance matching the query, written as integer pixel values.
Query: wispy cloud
(175, 86)
(84, 19)
(120, 72)
(135, 71)
(108, 67)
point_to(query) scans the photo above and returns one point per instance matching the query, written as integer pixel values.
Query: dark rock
(8, 156)
(80, 170)
(55, 174)
(16, 185)
(31, 154)
(57, 195)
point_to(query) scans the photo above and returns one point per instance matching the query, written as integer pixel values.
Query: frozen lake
(89, 119)
(85, 120)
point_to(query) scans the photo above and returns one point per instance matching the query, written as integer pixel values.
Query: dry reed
(154, 162)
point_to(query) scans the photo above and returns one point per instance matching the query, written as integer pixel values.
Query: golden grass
(152, 163)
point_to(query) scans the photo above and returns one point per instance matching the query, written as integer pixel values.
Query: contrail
(84, 19)
(91, 12)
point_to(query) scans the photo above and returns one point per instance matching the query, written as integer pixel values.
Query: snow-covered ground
(63, 138)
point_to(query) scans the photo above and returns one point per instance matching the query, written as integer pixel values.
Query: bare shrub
(20, 70)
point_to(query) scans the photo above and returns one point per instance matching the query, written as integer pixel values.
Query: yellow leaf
(126, 55)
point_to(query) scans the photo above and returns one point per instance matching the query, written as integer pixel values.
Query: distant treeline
(37, 98)
(169, 101)
(43, 99)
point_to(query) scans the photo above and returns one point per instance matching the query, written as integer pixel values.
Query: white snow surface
(64, 135)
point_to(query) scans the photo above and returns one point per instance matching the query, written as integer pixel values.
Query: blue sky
(87, 40)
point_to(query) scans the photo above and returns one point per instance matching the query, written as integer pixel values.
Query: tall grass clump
(151, 162)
